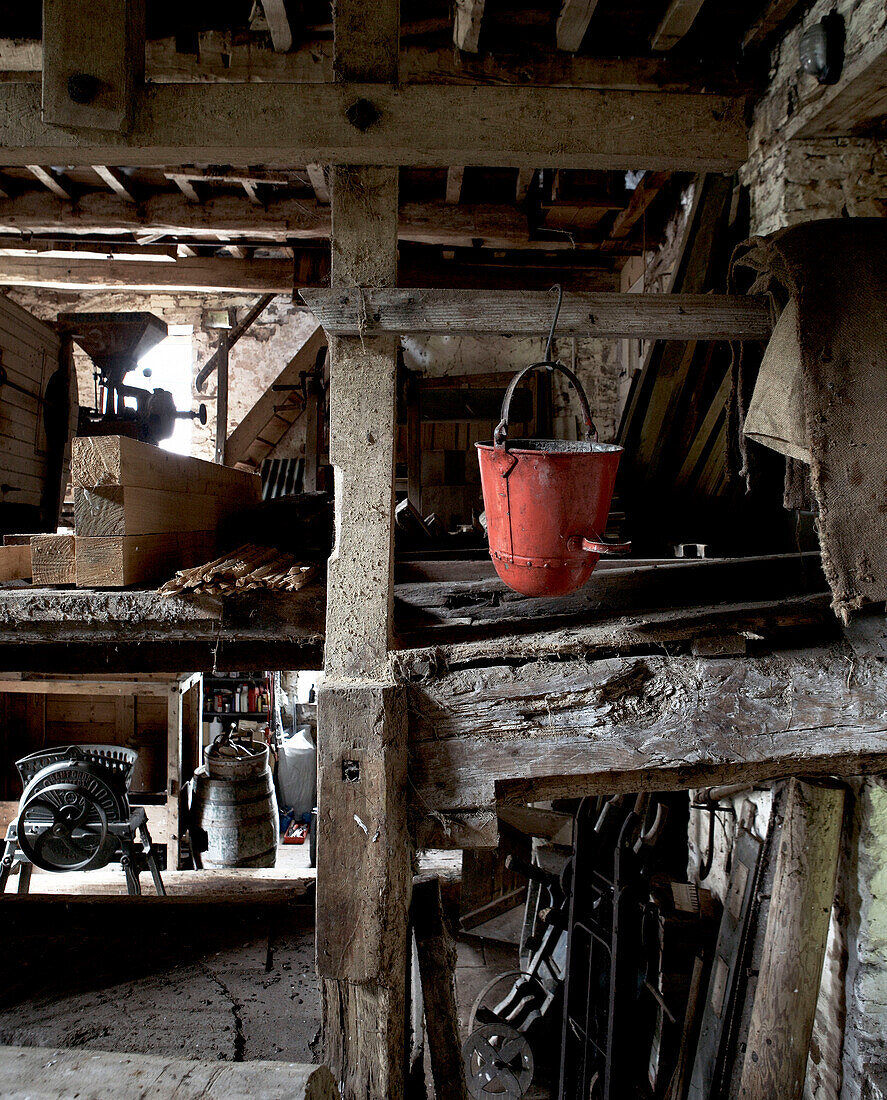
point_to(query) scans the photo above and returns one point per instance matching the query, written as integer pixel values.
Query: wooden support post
(794, 944)
(437, 960)
(174, 774)
(363, 873)
(222, 397)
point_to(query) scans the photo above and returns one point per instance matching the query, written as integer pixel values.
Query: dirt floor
(223, 1005)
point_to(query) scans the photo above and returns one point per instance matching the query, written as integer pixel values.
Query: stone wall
(793, 181)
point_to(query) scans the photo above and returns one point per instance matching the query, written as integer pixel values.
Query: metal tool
(115, 342)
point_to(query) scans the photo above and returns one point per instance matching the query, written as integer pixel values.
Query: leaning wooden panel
(366, 312)
(574, 727)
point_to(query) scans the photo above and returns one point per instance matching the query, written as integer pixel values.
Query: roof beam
(278, 25)
(372, 311)
(312, 63)
(675, 23)
(219, 274)
(318, 180)
(572, 23)
(455, 178)
(116, 180)
(467, 18)
(414, 125)
(51, 180)
(645, 192)
(185, 185)
(774, 18)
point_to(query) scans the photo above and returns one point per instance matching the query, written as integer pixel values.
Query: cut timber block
(15, 563)
(118, 460)
(52, 559)
(126, 510)
(118, 561)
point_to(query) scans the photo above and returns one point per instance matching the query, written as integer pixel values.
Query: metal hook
(557, 311)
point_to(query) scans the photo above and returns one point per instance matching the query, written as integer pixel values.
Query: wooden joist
(410, 124)
(572, 23)
(654, 316)
(467, 18)
(221, 59)
(576, 727)
(675, 23)
(52, 559)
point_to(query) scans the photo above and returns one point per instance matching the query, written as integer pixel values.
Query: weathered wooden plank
(623, 587)
(52, 559)
(437, 962)
(574, 727)
(311, 62)
(790, 972)
(62, 1072)
(409, 124)
(118, 460)
(634, 316)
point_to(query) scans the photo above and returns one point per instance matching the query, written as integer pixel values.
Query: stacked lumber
(52, 559)
(243, 570)
(141, 513)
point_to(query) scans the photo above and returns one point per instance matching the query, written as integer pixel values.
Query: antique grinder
(115, 342)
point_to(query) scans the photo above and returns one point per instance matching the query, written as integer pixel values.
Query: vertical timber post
(364, 866)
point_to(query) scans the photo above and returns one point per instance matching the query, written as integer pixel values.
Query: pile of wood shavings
(243, 570)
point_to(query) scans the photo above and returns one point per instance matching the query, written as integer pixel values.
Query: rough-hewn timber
(278, 124)
(554, 728)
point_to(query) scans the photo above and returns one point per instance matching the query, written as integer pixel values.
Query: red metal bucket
(547, 502)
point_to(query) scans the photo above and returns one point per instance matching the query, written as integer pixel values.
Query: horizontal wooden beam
(195, 274)
(220, 59)
(421, 125)
(310, 269)
(496, 225)
(645, 316)
(570, 728)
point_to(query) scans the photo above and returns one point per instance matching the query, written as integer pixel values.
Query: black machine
(115, 342)
(74, 815)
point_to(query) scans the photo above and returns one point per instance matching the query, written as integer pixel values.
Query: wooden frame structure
(381, 713)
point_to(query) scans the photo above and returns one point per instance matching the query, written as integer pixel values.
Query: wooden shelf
(85, 630)
(251, 715)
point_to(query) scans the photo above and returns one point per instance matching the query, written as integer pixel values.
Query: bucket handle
(501, 431)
